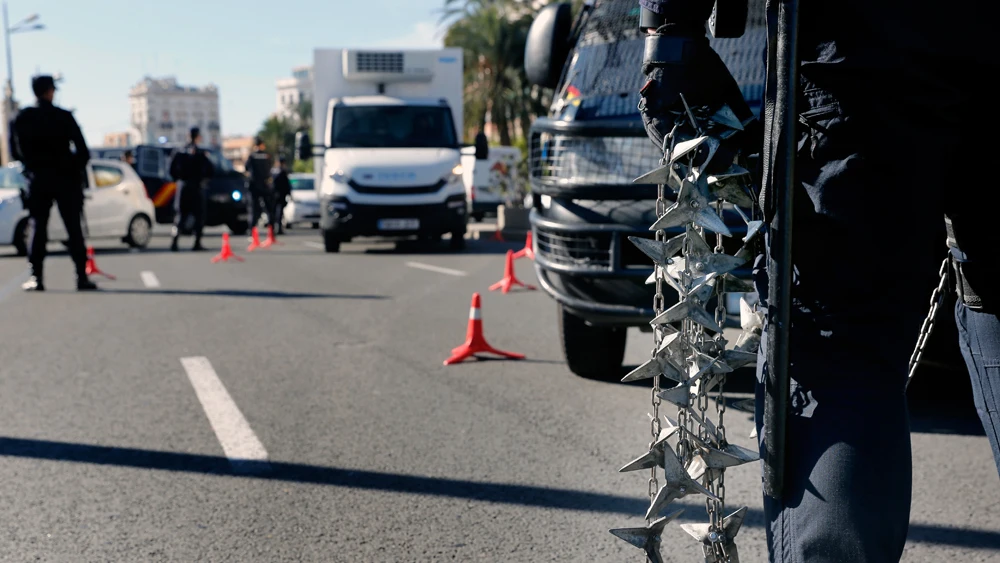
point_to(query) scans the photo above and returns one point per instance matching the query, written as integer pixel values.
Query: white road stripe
(149, 279)
(314, 244)
(244, 450)
(437, 269)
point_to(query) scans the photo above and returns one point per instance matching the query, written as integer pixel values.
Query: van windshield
(393, 127)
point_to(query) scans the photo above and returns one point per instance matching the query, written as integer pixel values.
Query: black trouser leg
(39, 206)
(71, 210)
(198, 208)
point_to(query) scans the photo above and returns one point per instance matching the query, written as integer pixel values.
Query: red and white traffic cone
(528, 249)
(270, 238)
(91, 268)
(227, 252)
(509, 279)
(475, 342)
(254, 240)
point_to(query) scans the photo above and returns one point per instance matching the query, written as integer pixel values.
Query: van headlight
(456, 174)
(338, 179)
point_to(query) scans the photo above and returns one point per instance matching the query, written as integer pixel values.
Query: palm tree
(278, 135)
(492, 34)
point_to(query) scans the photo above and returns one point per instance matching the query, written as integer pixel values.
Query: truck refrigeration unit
(388, 156)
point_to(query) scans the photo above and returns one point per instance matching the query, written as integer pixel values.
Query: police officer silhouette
(48, 142)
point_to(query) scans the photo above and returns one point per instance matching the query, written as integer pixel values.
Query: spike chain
(689, 346)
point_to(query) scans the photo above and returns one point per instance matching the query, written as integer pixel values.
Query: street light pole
(8, 105)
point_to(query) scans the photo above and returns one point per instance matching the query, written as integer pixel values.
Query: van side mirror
(303, 145)
(482, 147)
(547, 46)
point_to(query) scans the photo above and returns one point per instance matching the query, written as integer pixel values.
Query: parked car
(304, 207)
(584, 156)
(226, 191)
(116, 207)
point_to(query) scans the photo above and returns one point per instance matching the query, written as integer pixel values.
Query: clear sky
(103, 47)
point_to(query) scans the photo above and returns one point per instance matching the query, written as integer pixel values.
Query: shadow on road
(504, 493)
(240, 293)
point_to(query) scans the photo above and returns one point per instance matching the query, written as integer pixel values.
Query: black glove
(679, 61)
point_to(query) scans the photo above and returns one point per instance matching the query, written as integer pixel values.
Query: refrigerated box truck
(387, 126)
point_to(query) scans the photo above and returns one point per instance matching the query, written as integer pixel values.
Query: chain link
(937, 297)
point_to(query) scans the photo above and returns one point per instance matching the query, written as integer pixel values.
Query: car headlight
(237, 195)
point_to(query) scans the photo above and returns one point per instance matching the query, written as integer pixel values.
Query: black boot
(173, 245)
(84, 284)
(197, 244)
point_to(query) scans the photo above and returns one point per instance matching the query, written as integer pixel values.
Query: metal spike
(679, 395)
(659, 252)
(705, 261)
(726, 536)
(727, 117)
(652, 368)
(753, 227)
(737, 358)
(685, 310)
(647, 538)
(654, 457)
(730, 456)
(678, 485)
(667, 175)
(684, 148)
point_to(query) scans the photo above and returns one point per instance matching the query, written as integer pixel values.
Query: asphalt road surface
(294, 407)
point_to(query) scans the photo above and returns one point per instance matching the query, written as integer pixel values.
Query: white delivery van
(490, 182)
(387, 125)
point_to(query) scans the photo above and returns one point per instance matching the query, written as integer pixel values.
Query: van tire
(592, 352)
(331, 243)
(457, 242)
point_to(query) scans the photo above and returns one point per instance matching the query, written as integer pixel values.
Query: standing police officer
(190, 169)
(282, 192)
(889, 139)
(40, 137)
(258, 170)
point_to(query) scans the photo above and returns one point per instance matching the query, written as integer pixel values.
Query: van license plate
(399, 224)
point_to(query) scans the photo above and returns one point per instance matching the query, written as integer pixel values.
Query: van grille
(396, 190)
(565, 159)
(578, 250)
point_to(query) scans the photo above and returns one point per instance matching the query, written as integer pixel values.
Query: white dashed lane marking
(245, 452)
(149, 279)
(437, 269)
(314, 244)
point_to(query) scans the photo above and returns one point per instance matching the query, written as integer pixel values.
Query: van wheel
(331, 243)
(457, 241)
(591, 351)
(140, 232)
(21, 240)
(478, 217)
(238, 228)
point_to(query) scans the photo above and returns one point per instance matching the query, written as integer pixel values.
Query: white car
(304, 207)
(116, 207)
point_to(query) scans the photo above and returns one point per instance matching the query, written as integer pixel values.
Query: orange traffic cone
(497, 236)
(270, 238)
(528, 249)
(92, 268)
(509, 279)
(475, 342)
(254, 240)
(227, 252)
